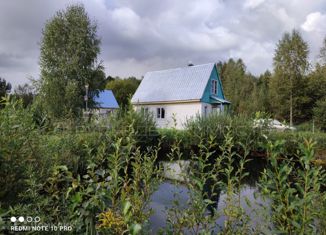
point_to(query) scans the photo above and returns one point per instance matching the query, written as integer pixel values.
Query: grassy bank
(243, 132)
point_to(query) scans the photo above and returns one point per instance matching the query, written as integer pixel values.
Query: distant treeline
(294, 86)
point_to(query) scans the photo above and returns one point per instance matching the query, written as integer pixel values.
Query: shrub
(105, 177)
(70, 149)
(294, 188)
(218, 125)
(19, 148)
(320, 113)
(145, 132)
(293, 139)
(308, 127)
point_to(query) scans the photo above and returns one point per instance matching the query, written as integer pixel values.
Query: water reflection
(170, 191)
(163, 199)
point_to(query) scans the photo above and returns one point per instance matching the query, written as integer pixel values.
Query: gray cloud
(138, 36)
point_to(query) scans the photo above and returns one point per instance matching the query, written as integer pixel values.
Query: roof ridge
(164, 70)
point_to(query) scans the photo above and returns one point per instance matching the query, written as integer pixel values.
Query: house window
(214, 87)
(160, 113)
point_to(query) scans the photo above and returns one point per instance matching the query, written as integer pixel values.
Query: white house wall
(180, 111)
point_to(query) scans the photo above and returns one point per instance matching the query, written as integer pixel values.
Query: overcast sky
(142, 35)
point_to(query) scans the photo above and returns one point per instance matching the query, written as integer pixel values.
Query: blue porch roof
(219, 100)
(106, 100)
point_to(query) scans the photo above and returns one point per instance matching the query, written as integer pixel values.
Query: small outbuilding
(105, 103)
(175, 95)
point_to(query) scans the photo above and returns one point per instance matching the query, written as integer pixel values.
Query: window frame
(160, 113)
(214, 87)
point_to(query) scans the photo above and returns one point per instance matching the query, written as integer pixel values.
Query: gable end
(206, 98)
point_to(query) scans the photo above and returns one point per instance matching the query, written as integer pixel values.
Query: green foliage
(287, 92)
(19, 148)
(26, 93)
(315, 88)
(308, 126)
(320, 113)
(236, 220)
(292, 140)
(70, 149)
(218, 125)
(123, 89)
(202, 182)
(214, 169)
(294, 190)
(92, 173)
(288, 83)
(261, 101)
(101, 180)
(142, 122)
(323, 52)
(4, 87)
(237, 85)
(68, 62)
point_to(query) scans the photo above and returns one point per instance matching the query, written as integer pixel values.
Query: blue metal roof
(187, 83)
(106, 99)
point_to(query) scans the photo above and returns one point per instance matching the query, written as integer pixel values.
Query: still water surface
(169, 191)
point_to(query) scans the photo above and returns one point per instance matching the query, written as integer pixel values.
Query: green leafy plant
(236, 221)
(294, 187)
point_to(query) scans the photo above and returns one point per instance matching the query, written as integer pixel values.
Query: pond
(173, 190)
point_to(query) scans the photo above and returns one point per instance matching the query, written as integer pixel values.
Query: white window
(160, 113)
(214, 87)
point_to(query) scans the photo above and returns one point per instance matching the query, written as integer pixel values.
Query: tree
(68, 62)
(237, 85)
(4, 87)
(316, 87)
(323, 52)
(26, 93)
(261, 93)
(320, 113)
(123, 89)
(290, 66)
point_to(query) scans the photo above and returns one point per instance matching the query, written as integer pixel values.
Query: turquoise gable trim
(208, 90)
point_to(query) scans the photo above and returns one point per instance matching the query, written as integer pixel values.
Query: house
(105, 103)
(175, 95)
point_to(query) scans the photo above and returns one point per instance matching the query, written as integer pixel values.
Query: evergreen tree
(4, 87)
(68, 62)
(320, 113)
(261, 93)
(238, 86)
